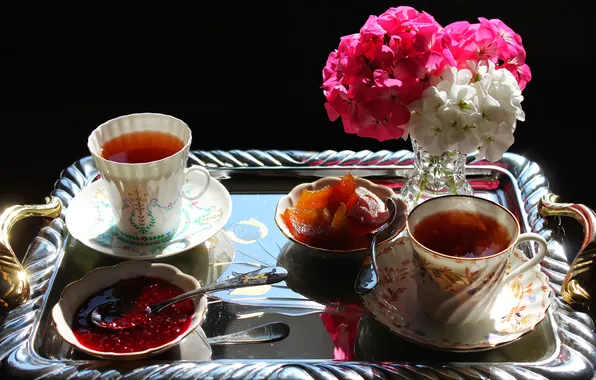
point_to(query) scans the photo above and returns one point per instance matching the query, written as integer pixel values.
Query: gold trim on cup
(509, 247)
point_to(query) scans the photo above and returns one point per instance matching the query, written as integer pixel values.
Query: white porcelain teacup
(145, 197)
(462, 289)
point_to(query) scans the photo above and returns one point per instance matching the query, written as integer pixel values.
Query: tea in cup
(462, 246)
(142, 159)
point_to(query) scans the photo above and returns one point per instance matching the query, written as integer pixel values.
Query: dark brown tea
(141, 147)
(462, 234)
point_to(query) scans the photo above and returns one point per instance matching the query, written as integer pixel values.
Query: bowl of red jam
(142, 283)
(333, 217)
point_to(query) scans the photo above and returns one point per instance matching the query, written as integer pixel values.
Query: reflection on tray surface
(326, 318)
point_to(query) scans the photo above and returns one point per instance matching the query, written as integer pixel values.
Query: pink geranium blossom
(487, 40)
(374, 75)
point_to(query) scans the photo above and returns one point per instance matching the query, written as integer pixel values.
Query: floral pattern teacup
(459, 290)
(145, 197)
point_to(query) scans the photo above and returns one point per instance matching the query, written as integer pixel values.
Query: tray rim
(574, 356)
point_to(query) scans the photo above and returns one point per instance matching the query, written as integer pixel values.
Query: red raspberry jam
(155, 331)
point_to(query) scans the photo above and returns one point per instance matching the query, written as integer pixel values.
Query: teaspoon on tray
(267, 333)
(367, 276)
(119, 314)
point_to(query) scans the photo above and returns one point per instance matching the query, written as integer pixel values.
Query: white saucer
(90, 220)
(519, 307)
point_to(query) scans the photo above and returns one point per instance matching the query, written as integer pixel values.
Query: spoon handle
(267, 333)
(258, 277)
(367, 277)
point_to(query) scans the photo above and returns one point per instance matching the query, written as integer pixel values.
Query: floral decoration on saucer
(90, 220)
(519, 307)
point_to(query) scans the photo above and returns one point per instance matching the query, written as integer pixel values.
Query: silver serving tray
(560, 347)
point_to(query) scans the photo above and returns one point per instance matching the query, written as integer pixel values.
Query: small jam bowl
(75, 293)
(357, 254)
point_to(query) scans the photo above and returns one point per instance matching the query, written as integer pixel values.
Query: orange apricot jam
(337, 216)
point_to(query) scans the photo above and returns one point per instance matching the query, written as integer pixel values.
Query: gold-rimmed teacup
(458, 290)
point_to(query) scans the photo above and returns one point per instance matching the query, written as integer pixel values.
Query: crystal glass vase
(435, 176)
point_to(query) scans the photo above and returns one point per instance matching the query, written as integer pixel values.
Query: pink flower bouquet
(454, 87)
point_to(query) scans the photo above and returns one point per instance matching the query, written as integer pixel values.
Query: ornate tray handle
(14, 281)
(579, 277)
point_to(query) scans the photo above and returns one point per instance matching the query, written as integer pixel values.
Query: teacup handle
(542, 249)
(195, 169)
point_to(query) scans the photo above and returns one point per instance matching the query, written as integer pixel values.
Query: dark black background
(248, 76)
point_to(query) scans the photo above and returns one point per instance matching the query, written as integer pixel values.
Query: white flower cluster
(468, 110)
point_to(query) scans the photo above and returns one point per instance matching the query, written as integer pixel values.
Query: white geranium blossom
(468, 110)
(496, 139)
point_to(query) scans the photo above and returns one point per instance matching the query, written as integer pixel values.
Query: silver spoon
(108, 315)
(367, 276)
(267, 333)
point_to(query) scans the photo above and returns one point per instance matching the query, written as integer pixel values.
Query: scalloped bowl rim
(80, 291)
(289, 200)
